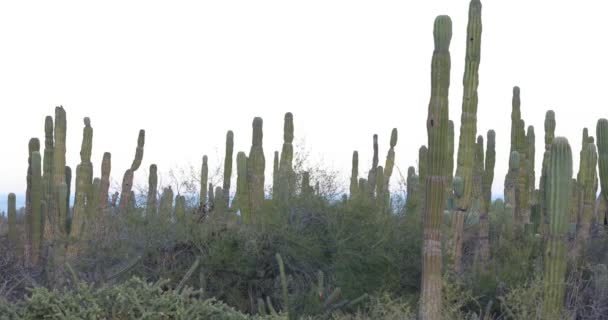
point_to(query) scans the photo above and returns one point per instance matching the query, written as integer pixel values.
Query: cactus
(286, 173)
(549, 136)
(211, 197)
(354, 176)
(468, 123)
(306, 188)
(478, 168)
(104, 184)
(371, 175)
(519, 144)
(588, 189)
(127, 180)
(151, 203)
(602, 153)
(388, 169)
(166, 203)
(363, 186)
(412, 190)
(437, 129)
(511, 185)
(33, 146)
(531, 144)
(242, 194)
(483, 252)
(423, 161)
(256, 165)
(559, 180)
(84, 181)
(47, 175)
(381, 204)
(450, 167)
(227, 169)
(204, 181)
(36, 227)
(68, 182)
(11, 211)
(275, 176)
(180, 208)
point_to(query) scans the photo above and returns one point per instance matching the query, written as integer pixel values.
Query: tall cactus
(437, 130)
(511, 185)
(84, 181)
(588, 189)
(468, 121)
(450, 167)
(180, 208)
(287, 181)
(549, 136)
(412, 190)
(36, 228)
(371, 176)
(11, 211)
(127, 180)
(204, 181)
(47, 175)
(354, 176)
(483, 253)
(152, 202)
(104, 184)
(602, 152)
(58, 222)
(166, 203)
(559, 180)
(33, 146)
(242, 193)
(228, 169)
(423, 162)
(388, 168)
(275, 176)
(256, 165)
(381, 204)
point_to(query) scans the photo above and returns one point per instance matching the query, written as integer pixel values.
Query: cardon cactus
(227, 169)
(388, 170)
(275, 176)
(166, 204)
(47, 174)
(180, 208)
(204, 181)
(450, 168)
(602, 153)
(354, 176)
(371, 176)
(84, 181)
(381, 204)
(33, 146)
(549, 136)
(437, 129)
(468, 121)
(511, 185)
(287, 181)
(104, 184)
(483, 249)
(36, 227)
(127, 180)
(559, 183)
(587, 183)
(412, 190)
(242, 194)
(423, 162)
(11, 211)
(256, 165)
(152, 202)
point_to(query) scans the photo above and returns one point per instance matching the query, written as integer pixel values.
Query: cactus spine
(486, 199)
(256, 164)
(437, 130)
(227, 169)
(559, 183)
(152, 203)
(127, 180)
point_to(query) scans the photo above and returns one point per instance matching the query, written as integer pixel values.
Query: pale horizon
(190, 71)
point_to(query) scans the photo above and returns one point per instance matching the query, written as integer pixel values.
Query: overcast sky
(188, 71)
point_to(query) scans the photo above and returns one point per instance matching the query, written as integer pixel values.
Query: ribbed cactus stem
(450, 167)
(371, 176)
(388, 169)
(127, 180)
(559, 180)
(36, 227)
(152, 202)
(478, 168)
(84, 181)
(286, 173)
(549, 136)
(275, 176)
(511, 185)
(531, 144)
(104, 184)
(411, 191)
(381, 204)
(166, 204)
(33, 146)
(204, 181)
(180, 208)
(211, 196)
(227, 169)
(483, 253)
(354, 176)
(47, 174)
(602, 153)
(437, 130)
(11, 212)
(587, 183)
(256, 165)
(306, 187)
(242, 193)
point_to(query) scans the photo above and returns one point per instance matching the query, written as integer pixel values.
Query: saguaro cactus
(354, 176)
(559, 180)
(588, 189)
(33, 146)
(11, 212)
(371, 176)
(242, 193)
(227, 169)
(602, 152)
(204, 181)
(166, 203)
(388, 169)
(468, 121)
(59, 172)
(256, 165)
(151, 203)
(483, 253)
(84, 181)
(36, 227)
(180, 208)
(104, 184)
(127, 180)
(47, 175)
(275, 176)
(437, 130)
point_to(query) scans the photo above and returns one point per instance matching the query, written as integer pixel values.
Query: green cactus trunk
(381, 205)
(549, 136)
(354, 176)
(423, 161)
(204, 182)
(602, 153)
(588, 189)
(531, 181)
(58, 220)
(388, 170)
(468, 127)
(483, 252)
(180, 209)
(256, 165)
(227, 170)
(152, 202)
(104, 184)
(36, 228)
(11, 211)
(275, 176)
(559, 184)
(33, 146)
(511, 186)
(166, 204)
(47, 176)
(371, 175)
(84, 181)
(287, 182)
(412, 191)
(437, 129)
(127, 180)
(242, 193)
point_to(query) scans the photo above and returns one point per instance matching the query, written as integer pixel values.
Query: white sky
(188, 71)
